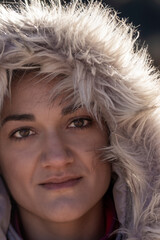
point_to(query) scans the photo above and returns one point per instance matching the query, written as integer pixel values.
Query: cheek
(16, 168)
(90, 142)
(11, 168)
(18, 155)
(89, 147)
(100, 178)
(89, 151)
(100, 172)
(17, 175)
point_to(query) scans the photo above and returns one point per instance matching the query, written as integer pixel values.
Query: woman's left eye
(80, 123)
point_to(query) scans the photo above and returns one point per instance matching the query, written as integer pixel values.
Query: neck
(91, 226)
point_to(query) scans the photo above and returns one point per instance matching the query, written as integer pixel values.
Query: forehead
(30, 92)
(28, 89)
(25, 91)
(31, 85)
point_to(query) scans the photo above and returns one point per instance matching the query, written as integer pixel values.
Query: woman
(79, 146)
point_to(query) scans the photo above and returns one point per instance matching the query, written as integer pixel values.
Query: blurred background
(144, 14)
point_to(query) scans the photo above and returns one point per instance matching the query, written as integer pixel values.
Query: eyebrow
(69, 110)
(30, 117)
(18, 117)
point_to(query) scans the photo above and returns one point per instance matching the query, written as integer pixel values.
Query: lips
(58, 183)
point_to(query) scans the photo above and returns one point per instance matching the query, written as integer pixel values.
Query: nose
(55, 152)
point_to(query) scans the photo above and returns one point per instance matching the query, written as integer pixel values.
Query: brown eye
(23, 133)
(80, 123)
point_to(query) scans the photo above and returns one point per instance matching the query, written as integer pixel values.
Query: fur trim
(106, 71)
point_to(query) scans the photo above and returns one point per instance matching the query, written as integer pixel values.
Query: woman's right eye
(22, 133)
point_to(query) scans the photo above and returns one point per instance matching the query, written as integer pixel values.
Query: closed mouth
(55, 184)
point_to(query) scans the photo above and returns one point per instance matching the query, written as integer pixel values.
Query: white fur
(107, 72)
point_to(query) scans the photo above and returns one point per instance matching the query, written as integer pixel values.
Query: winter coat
(113, 78)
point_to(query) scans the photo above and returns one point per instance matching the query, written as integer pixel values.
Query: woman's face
(49, 155)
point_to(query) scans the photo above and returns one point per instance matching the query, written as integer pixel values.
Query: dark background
(144, 14)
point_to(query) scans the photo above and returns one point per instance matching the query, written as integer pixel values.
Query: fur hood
(113, 78)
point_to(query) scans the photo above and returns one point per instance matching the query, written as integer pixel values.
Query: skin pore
(49, 160)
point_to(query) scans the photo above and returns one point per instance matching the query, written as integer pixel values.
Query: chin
(63, 216)
(65, 213)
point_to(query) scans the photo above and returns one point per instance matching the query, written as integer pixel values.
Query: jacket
(114, 78)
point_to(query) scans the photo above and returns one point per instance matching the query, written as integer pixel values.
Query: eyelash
(88, 124)
(82, 120)
(12, 135)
